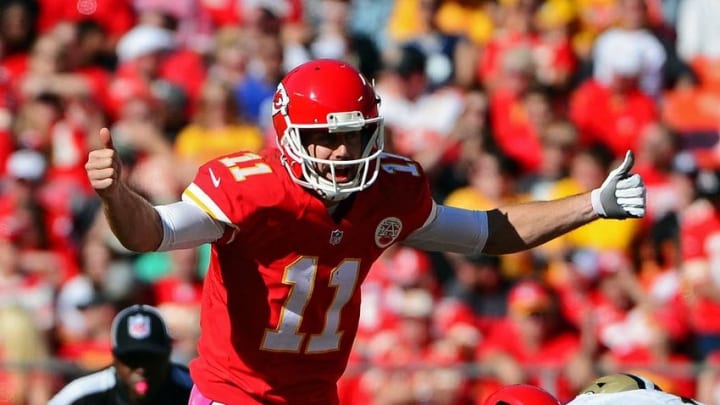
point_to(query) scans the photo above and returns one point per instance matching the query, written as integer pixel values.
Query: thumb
(626, 165)
(106, 139)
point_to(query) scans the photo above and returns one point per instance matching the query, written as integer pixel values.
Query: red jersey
(612, 120)
(281, 299)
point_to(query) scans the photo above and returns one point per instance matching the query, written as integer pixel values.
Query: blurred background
(499, 100)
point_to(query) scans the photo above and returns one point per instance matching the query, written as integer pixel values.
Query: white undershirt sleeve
(451, 229)
(186, 225)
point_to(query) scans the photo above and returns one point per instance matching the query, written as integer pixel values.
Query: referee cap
(140, 329)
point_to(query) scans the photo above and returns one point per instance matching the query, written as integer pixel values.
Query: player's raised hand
(103, 166)
(622, 194)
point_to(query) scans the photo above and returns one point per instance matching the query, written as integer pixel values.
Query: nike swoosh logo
(215, 180)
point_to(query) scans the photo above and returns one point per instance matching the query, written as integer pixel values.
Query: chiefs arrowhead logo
(387, 231)
(280, 101)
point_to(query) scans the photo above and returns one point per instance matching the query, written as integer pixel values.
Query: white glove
(622, 195)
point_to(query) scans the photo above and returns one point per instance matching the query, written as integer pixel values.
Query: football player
(295, 229)
(625, 388)
(521, 394)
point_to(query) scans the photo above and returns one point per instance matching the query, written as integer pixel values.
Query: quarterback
(294, 230)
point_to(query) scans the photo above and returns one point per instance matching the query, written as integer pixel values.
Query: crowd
(499, 100)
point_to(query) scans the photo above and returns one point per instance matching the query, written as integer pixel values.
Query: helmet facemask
(365, 168)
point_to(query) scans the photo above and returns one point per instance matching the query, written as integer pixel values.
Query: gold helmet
(620, 382)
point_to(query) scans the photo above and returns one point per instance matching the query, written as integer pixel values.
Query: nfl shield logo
(336, 237)
(139, 326)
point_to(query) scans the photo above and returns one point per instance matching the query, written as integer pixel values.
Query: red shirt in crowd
(116, 16)
(513, 131)
(699, 235)
(611, 119)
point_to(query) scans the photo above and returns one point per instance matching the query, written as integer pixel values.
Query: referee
(141, 373)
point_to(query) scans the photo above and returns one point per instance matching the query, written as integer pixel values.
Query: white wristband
(597, 203)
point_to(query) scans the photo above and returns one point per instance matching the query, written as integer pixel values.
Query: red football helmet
(334, 96)
(521, 394)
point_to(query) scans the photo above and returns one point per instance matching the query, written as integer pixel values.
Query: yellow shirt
(200, 145)
(513, 265)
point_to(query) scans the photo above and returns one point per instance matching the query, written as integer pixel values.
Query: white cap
(143, 40)
(618, 53)
(627, 61)
(26, 164)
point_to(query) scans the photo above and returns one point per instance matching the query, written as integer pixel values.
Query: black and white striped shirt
(102, 387)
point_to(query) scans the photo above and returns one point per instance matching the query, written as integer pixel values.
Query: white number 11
(301, 277)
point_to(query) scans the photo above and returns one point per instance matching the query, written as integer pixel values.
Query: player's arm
(518, 227)
(132, 218)
(135, 222)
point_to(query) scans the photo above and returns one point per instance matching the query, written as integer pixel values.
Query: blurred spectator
(533, 336)
(37, 218)
(515, 30)
(555, 61)
(611, 109)
(594, 17)
(479, 285)
(656, 153)
(92, 350)
(708, 390)
(397, 269)
(177, 297)
(18, 19)
(697, 33)
(216, 129)
(470, 19)
(47, 71)
(369, 17)
(116, 17)
(414, 23)
(254, 92)
(24, 356)
(333, 39)
(519, 110)
(95, 262)
(541, 28)
(148, 58)
(229, 57)
(638, 325)
(634, 40)
(559, 143)
(227, 12)
(692, 109)
(188, 18)
(492, 179)
(699, 227)
(419, 120)
(143, 148)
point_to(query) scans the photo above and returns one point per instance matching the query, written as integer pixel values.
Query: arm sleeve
(185, 225)
(451, 229)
